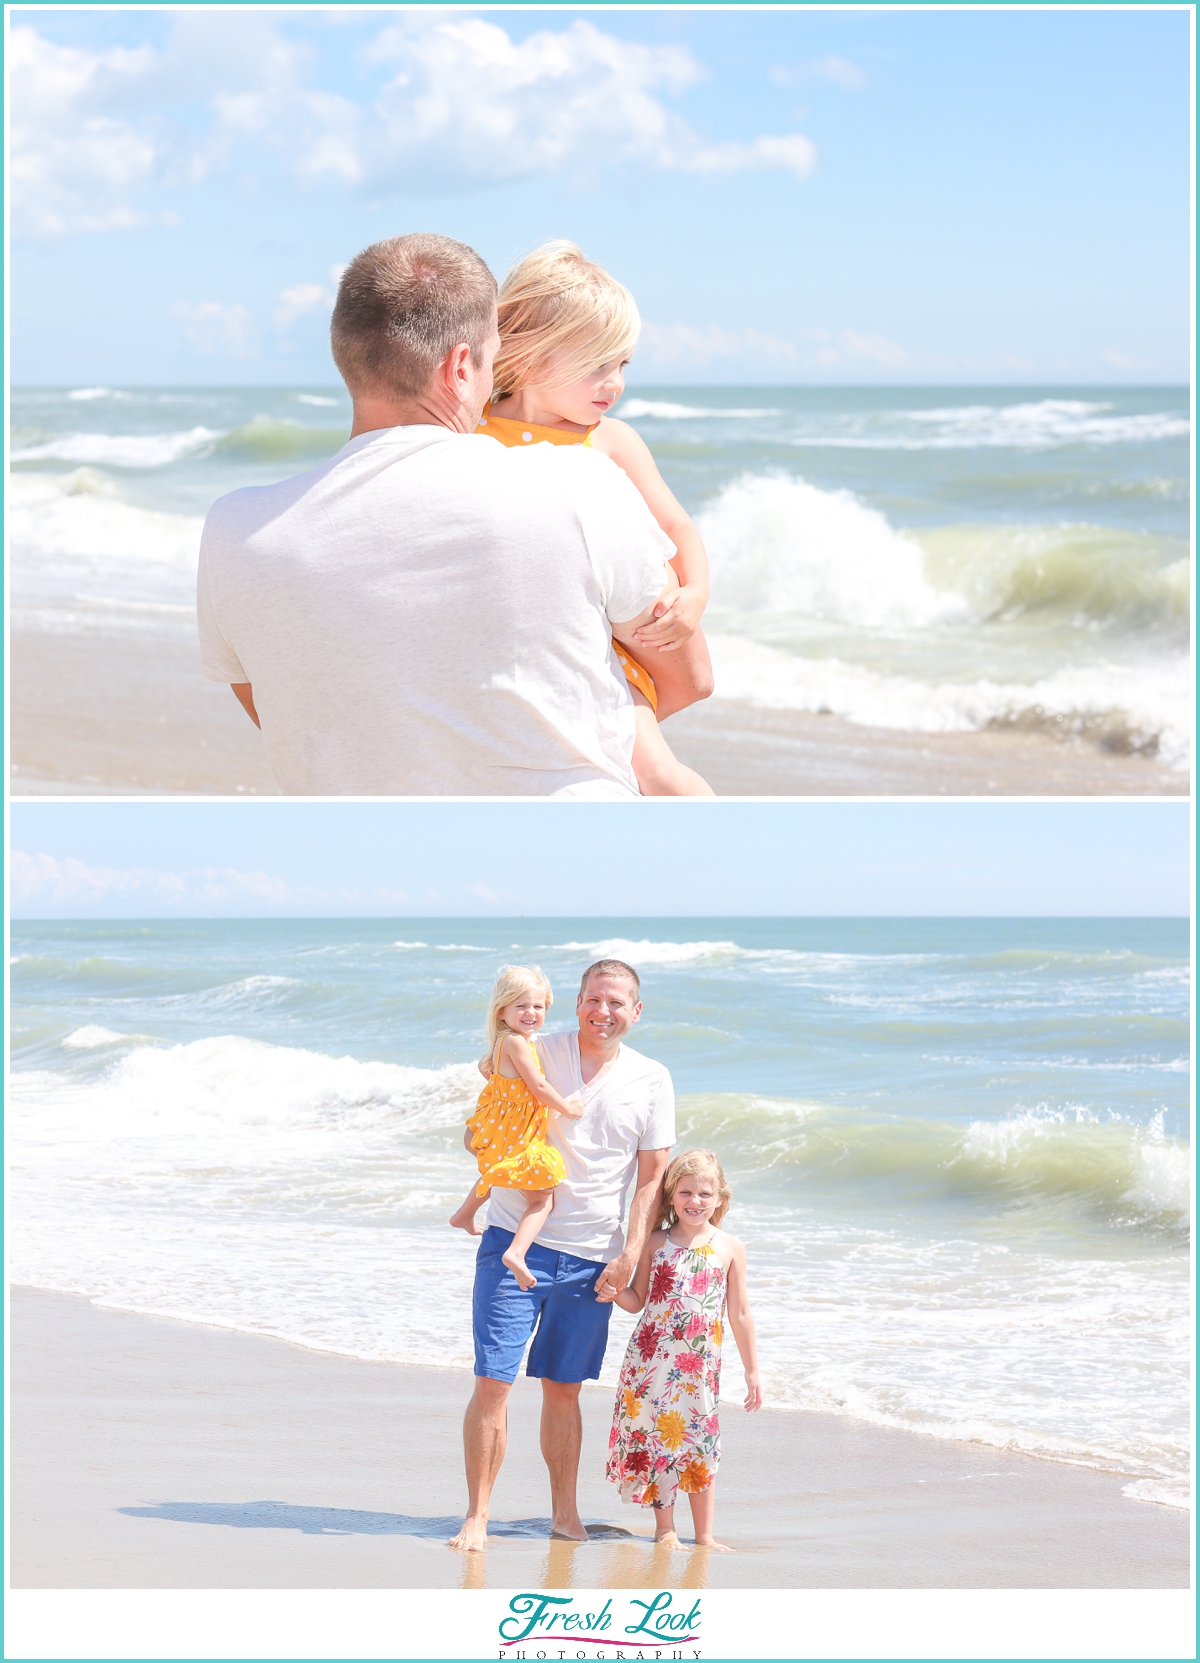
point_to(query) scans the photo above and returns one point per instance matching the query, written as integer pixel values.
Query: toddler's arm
(742, 1323)
(679, 617)
(517, 1050)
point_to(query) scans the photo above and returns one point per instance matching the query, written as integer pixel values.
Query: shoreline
(99, 715)
(149, 1452)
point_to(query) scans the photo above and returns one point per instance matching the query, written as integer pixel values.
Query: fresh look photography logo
(558, 1626)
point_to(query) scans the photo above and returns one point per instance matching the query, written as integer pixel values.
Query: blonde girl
(507, 1132)
(566, 332)
(690, 1279)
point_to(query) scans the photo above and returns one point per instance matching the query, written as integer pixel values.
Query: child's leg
(537, 1207)
(659, 772)
(664, 1527)
(464, 1218)
(702, 1518)
(681, 677)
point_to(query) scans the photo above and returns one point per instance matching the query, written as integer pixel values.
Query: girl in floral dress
(665, 1435)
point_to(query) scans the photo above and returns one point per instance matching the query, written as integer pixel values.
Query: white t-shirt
(428, 614)
(631, 1107)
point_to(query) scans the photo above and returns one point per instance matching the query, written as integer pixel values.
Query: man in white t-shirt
(429, 613)
(583, 1258)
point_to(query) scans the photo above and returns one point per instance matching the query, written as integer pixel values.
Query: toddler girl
(508, 1129)
(665, 1435)
(566, 331)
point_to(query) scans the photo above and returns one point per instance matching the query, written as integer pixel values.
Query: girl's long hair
(556, 305)
(512, 980)
(693, 1163)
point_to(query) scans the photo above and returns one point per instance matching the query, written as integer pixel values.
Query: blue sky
(794, 196)
(666, 859)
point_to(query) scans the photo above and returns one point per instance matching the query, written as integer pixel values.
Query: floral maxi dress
(665, 1434)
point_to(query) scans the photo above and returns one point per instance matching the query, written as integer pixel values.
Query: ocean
(959, 1149)
(927, 559)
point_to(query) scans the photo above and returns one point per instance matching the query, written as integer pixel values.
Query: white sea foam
(634, 408)
(120, 450)
(83, 516)
(314, 398)
(88, 393)
(1047, 424)
(777, 544)
(1166, 1492)
(88, 1038)
(1146, 707)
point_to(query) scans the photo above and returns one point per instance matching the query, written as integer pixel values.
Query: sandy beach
(97, 716)
(149, 1453)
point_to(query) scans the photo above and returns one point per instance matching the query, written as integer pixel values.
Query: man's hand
(676, 620)
(616, 1277)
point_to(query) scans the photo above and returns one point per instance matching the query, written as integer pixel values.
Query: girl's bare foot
(668, 1540)
(717, 1547)
(464, 1219)
(525, 1277)
(472, 1538)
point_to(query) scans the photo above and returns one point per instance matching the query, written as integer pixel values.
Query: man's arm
(643, 1210)
(243, 692)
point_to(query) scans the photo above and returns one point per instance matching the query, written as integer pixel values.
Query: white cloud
(830, 348)
(682, 344)
(463, 105)
(1124, 361)
(70, 154)
(838, 70)
(302, 299)
(217, 329)
(43, 881)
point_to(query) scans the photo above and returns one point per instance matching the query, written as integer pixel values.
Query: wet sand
(148, 1453)
(96, 716)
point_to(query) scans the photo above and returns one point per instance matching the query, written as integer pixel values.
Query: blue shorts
(571, 1324)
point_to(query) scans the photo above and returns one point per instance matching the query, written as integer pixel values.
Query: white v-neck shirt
(630, 1108)
(429, 614)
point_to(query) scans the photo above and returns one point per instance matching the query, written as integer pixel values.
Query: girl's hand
(675, 620)
(573, 1106)
(753, 1394)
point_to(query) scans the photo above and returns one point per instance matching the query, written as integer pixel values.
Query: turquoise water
(921, 558)
(958, 1148)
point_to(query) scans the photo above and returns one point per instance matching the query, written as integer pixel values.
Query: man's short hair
(402, 305)
(611, 967)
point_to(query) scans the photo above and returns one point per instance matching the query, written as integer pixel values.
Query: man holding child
(581, 1259)
(429, 613)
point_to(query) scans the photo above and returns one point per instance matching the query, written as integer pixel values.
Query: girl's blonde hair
(512, 980)
(554, 304)
(693, 1163)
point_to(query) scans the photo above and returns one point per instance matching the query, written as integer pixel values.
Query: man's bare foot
(717, 1547)
(525, 1277)
(472, 1538)
(668, 1540)
(464, 1219)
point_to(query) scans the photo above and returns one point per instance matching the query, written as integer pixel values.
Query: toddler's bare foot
(472, 1538)
(668, 1539)
(464, 1219)
(717, 1547)
(525, 1277)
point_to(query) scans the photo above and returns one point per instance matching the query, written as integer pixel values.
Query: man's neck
(371, 414)
(596, 1060)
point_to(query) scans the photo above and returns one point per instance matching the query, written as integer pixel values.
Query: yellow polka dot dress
(509, 1136)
